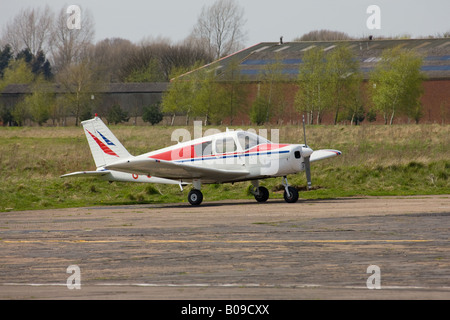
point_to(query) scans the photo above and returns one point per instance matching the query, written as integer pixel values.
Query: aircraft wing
(175, 170)
(324, 154)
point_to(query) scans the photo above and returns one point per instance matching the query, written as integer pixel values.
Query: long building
(253, 61)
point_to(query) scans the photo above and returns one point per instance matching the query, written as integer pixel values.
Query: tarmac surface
(231, 250)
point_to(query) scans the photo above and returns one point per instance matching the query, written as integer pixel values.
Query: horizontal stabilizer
(86, 174)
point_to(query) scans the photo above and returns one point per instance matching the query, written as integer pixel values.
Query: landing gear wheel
(263, 194)
(195, 197)
(293, 195)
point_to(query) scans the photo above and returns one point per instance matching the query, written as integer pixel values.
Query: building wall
(435, 101)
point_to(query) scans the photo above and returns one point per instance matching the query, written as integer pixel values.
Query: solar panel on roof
(261, 49)
(308, 48)
(329, 48)
(281, 49)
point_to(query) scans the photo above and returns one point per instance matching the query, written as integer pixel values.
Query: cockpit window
(249, 140)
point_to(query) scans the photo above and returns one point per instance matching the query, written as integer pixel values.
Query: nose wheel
(290, 193)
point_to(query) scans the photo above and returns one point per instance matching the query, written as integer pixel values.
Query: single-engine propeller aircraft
(224, 157)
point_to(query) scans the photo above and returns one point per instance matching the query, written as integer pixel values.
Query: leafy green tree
(178, 97)
(260, 110)
(152, 114)
(149, 73)
(342, 70)
(17, 72)
(208, 97)
(312, 96)
(272, 88)
(371, 115)
(117, 115)
(356, 114)
(40, 102)
(235, 91)
(79, 82)
(270, 97)
(5, 58)
(6, 116)
(396, 84)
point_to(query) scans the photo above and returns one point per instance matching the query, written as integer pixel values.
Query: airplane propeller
(306, 153)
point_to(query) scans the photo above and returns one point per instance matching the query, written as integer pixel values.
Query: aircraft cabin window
(248, 141)
(203, 149)
(225, 145)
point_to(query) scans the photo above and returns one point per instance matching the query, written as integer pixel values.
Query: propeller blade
(304, 130)
(308, 171)
(306, 151)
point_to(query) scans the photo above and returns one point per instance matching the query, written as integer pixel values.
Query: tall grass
(376, 160)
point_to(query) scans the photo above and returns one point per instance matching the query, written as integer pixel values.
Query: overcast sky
(267, 20)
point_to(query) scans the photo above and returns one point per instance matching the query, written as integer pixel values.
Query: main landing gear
(195, 196)
(262, 194)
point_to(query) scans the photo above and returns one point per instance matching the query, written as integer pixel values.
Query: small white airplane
(226, 157)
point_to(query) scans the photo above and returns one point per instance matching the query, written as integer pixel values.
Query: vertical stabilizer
(105, 147)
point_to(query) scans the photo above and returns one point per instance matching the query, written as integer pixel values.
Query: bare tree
(29, 29)
(78, 82)
(110, 56)
(71, 45)
(153, 60)
(220, 28)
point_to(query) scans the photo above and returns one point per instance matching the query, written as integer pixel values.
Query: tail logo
(108, 142)
(103, 146)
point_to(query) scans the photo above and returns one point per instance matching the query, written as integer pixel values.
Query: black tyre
(263, 194)
(195, 197)
(293, 195)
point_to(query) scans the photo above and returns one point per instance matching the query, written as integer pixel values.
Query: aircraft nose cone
(306, 152)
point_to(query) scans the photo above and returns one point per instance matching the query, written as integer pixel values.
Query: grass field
(376, 160)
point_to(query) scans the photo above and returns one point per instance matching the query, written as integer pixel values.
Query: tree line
(37, 49)
(328, 82)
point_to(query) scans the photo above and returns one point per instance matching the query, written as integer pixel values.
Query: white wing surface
(175, 170)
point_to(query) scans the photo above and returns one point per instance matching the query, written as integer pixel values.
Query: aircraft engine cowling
(295, 159)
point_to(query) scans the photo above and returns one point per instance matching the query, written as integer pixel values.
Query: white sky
(267, 20)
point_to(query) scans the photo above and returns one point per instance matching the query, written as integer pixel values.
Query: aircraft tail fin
(105, 147)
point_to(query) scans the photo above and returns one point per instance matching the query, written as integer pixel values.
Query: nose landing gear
(290, 193)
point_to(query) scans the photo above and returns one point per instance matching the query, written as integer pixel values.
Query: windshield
(249, 140)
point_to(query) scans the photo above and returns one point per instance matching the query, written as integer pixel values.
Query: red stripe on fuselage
(266, 147)
(188, 152)
(103, 146)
